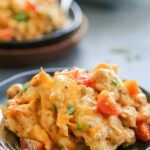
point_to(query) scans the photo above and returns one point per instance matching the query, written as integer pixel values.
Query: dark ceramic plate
(109, 3)
(26, 76)
(75, 15)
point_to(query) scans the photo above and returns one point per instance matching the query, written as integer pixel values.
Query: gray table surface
(117, 36)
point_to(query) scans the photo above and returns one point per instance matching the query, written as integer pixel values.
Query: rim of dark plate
(30, 72)
(48, 70)
(75, 13)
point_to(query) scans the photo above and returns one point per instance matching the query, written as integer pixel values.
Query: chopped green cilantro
(71, 110)
(21, 16)
(25, 86)
(126, 53)
(79, 126)
(56, 109)
(107, 114)
(137, 56)
(120, 51)
(115, 80)
(124, 146)
(123, 80)
(88, 126)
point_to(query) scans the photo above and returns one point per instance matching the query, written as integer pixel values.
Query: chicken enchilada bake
(78, 110)
(29, 19)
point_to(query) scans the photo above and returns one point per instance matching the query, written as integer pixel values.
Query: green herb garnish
(21, 16)
(115, 80)
(137, 56)
(24, 88)
(56, 109)
(129, 58)
(79, 126)
(107, 114)
(120, 51)
(71, 110)
(124, 146)
(129, 55)
(123, 80)
(135, 149)
(88, 126)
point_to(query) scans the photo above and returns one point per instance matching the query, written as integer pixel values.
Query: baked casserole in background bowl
(33, 23)
(65, 33)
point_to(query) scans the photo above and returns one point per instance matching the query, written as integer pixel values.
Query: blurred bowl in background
(48, 48)
(75, 20)
(107, 3)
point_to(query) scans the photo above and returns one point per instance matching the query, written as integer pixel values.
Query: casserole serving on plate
(93, 110)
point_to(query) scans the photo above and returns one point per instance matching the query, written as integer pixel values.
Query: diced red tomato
(31, 5)
(132, 87)
(142, 130)
(139, 120)
(86, 81)
(80, 78)
(107, 105)
(27, 144)
(6, 34)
